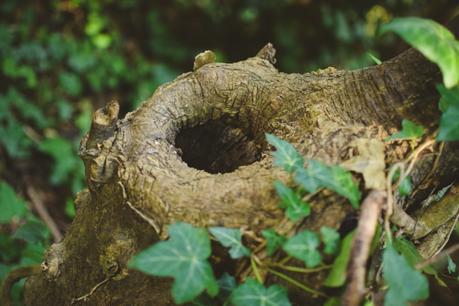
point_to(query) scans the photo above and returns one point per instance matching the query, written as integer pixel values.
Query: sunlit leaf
(433, 40)
(295, 208)
(230, 238)
(285, 156)
(273, 240)
(405, 283)
(252, 293)
(183, 257)
(304, 246)
(410, 130)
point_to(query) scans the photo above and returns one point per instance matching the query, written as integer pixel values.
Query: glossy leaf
(183, 257)
(273, 240)
(304, 246)
(252, 293)
(330, 238)
(433, 40)
(230, 238)
(335, 178)
(410, 130)
(285, 156)
(295, 208)
(405, 283)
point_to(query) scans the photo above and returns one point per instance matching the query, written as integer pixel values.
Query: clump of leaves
(183, 257)
(315, 176)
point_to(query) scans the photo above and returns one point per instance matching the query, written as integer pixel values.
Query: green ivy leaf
(405, 187)
(398, 273)
(449, 124)
(70, 83)
(330, 238)
(285, 156)
(433, 40)
(274, 240)
(252, 293)
(337, 275)
(304, 246)
(33, 231)
(11, 205)
(410, 130)
(411, 254)
(65, 161)
(451, 265)
(183, 257)
(227, 284)
(295, 208)
(335, 178)
(230, 238)
(448, 97)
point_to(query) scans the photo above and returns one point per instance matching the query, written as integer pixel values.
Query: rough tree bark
(195, 152)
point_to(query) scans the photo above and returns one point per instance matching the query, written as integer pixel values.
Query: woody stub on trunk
(196, 152)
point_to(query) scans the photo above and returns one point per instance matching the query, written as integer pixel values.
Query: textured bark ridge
(195, 152)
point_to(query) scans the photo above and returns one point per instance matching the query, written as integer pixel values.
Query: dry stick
(39, 206)
(370, 211)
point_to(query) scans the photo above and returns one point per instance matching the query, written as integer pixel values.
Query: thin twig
(298, 269)
(437, 257)
(366, 228)
(297, 283)
(39, 206)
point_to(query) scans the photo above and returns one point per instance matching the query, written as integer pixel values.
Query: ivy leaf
(230, 238)
(183, 257)
(397, 274)
(405, 186)
(337, 275)
(449, 124)
(335, 178)
(285, 156)
(296, 209)
(274, 240)
(411, 254)
(448, 97)
(227, 284)
(330, 238)
(433, 40)
(451, 265)
(449, 105)
(410, 130)
(304, 246)
(252, 293)
(11, 205)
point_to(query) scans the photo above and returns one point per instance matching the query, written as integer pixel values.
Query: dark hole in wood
(217, 147)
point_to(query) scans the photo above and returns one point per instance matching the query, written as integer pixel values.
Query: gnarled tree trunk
(196, 152)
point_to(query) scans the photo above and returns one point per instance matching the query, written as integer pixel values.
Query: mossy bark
(195, 152)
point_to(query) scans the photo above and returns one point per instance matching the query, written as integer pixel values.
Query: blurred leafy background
(62, 59)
